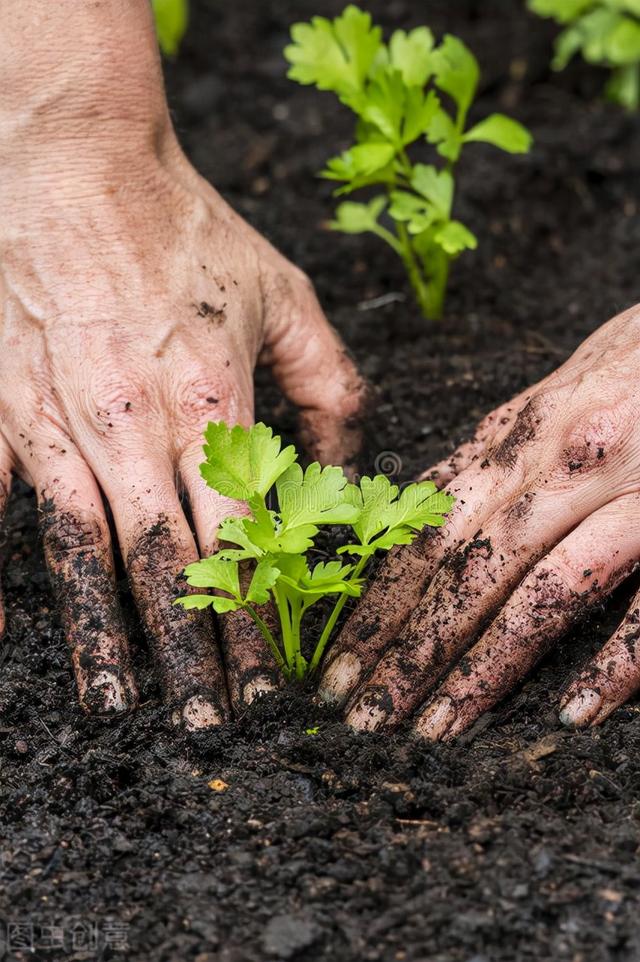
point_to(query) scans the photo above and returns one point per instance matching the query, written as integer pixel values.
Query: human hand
(546, 524)
(134, 306)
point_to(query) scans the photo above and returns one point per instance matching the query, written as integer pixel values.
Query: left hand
(546, 524)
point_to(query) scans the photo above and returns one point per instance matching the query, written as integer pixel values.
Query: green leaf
(171, 18)
(454, 238)
(352, 218)
(315, 497)
(197, 602)
(623, 43)
(443, 132)
(328, 578)
(436, 186)
(415, 211)
(215, 572)
(419, 111)
(502, 132)
(566, 45)
(223, 605)
(360, 161)
(410, 53)
(243, 461)
(563, 11)
(387, 519)
(263, 579)
(334, 55)
(456, 71)
(235, 531)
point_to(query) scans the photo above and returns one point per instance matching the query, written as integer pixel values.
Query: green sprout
(172, 17)
(268, 557)
(403, 92)
(605, 32)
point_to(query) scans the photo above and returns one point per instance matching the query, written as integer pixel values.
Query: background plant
(269, 551)
(172, 17)
(402, 92)
(605, 32)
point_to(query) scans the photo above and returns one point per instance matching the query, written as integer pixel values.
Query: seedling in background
(605, 32)
(402, 93)
(171, 17)
(270, 553)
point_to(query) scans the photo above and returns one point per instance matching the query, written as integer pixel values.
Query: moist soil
(263, 840)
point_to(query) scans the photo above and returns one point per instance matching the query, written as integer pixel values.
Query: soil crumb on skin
(216, 314)
(518, 843)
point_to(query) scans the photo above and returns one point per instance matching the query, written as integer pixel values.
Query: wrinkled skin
(134, 306)
(546, 523)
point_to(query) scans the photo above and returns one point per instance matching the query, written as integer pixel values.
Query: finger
(249, 666)
(77, 548)
(157, 545)
(610, 679)
(577, 573)
(464, 595)
(6, 466)
(403, 578)
(314, 370)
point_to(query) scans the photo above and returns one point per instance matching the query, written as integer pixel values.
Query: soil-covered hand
(545, 525)
(134, 305)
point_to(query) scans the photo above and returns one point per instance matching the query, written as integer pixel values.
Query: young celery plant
(274, 545)
(396, 91)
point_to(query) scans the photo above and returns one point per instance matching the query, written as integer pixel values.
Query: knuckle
(593, 439)
(201, 398)
(113, 399)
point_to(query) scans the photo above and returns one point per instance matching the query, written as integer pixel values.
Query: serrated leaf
(410, 53)
(415, 211)
(419, 111)
(454, 238)
(456, 71)
(262, 581)
(502, 132)
(334, 55)
(195, 602)
(361, 161)
(622, 45)
(234, 531)
(352, 218)
(243, 461)
(215, 572)
(171, 17)
(313, 497)
(384, 107)
(443, 132)
(436, 186)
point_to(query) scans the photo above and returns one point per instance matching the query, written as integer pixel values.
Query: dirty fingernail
(106, 695)
(370, 712)
(340, 678)
(582, 708)
(198, 713)
(257, 687)
(437, 719)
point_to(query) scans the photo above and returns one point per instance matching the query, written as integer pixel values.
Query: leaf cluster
(402, 92)
(266, 552)
(605, 32)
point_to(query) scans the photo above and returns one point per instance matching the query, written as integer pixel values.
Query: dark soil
(520, 843)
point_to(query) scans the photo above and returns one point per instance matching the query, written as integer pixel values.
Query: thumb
(314, 370)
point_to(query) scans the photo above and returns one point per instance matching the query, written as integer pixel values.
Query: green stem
(333, 617)
(413, 270)
(268, 637)
(296, 617)
(285, 624)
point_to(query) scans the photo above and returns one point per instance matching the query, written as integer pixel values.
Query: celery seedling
(396, 91)
(276, 545)
(605, 32)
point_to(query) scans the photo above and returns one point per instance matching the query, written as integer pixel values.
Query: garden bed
(262, 840)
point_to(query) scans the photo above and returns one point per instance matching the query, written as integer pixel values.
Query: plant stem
(333, 617)
(268, 637)
(413, 270)
(285, 624)
(296, 617)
